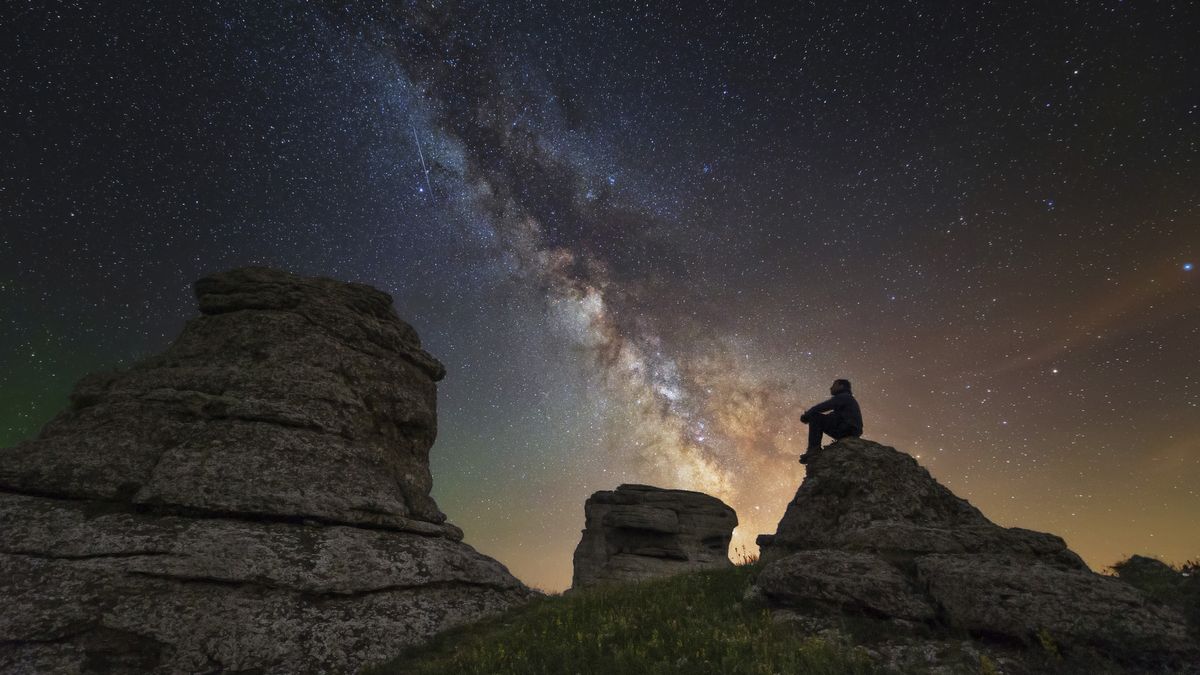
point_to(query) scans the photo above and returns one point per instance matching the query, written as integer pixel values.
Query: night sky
(642, 236)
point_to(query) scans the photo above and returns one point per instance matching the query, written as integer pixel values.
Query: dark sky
(642, 237)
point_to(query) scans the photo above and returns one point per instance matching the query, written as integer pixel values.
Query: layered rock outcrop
(254, 498)
(640, 532)
(870, 531)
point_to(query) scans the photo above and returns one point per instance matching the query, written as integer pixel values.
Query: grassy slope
(693, 623)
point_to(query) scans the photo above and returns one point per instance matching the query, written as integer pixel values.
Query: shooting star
(422, 156)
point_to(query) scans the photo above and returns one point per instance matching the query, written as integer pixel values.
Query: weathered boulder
(871, 532)
(256, 497)
(640, 532)
(861, 496)
(1006, 596)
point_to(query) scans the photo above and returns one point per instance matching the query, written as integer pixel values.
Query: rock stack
(255, 498)
(871, 532)
(639, 532)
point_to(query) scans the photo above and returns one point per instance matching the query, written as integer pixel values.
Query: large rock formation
(862, 496)
(871, 532)
(255, 498)
(639, 532)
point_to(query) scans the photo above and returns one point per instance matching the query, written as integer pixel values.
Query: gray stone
(640, 532)
(648, 518)
(1020, 598)
(871, 532)
(858, 495)
(256, 498)
(321, 378)
(861, 583)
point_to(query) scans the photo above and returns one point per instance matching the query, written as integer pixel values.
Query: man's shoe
(807, 455)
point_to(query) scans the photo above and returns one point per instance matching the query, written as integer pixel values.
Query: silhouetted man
(839, 417)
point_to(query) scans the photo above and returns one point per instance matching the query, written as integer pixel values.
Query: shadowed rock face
(255, 497)
(640, 532)
(871, 532)
(862, 496)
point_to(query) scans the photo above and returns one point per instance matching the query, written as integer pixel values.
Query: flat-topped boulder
(640, 532)
(256, 497)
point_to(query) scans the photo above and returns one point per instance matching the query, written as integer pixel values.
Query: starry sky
(643, 236)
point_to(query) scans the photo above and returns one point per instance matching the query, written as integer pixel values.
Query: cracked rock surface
(256, 497)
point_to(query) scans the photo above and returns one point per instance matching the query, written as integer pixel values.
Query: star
(586, 329)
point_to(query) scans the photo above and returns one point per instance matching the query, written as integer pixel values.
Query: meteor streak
(421, 154)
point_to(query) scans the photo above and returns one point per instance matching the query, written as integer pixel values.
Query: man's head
(839, 386)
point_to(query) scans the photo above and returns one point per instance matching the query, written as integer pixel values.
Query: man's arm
(818, 409)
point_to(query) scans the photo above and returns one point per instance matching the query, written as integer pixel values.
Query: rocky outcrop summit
(641, 532)
(871, 532)
(255, 498)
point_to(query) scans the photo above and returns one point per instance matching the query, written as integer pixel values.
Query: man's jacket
(844, 406)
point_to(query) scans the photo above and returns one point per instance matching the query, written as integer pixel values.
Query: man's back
(847, 406)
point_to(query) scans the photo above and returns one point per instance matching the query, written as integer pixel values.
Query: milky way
(644, 238)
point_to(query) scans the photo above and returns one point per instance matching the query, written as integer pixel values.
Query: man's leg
(818, 426)
(822, 424)
(815, 429)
